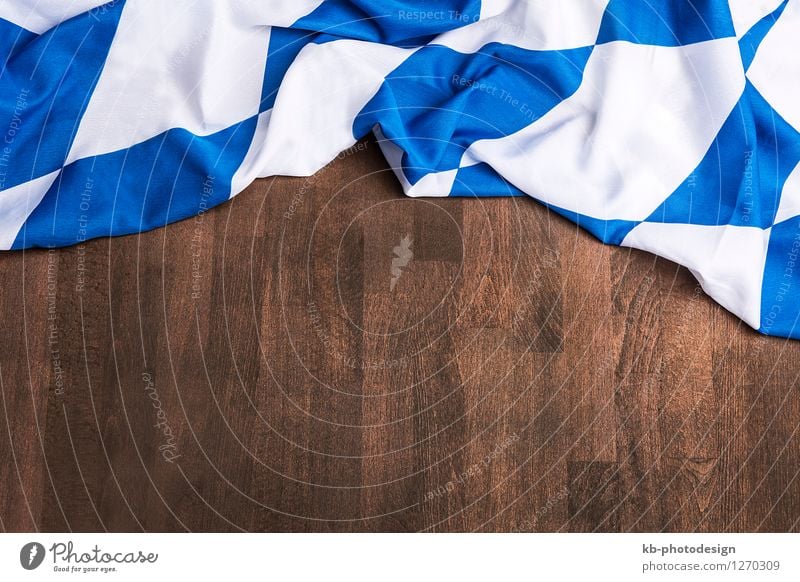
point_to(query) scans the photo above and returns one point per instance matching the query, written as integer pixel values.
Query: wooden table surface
(256, 369)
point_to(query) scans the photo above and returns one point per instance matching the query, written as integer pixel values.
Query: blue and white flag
(664, 125)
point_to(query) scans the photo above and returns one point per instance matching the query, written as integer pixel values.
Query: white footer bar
(401, 557)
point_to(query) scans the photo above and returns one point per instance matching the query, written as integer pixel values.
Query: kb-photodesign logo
(31, 555)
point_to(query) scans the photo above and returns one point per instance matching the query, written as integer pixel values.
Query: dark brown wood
(256, 369)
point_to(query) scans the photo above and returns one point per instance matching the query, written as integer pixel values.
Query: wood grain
(254, 369)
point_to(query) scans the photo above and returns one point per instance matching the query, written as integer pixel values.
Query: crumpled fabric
(667, 126)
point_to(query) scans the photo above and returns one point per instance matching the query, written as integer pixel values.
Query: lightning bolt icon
(403, 255)
(32, 555)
